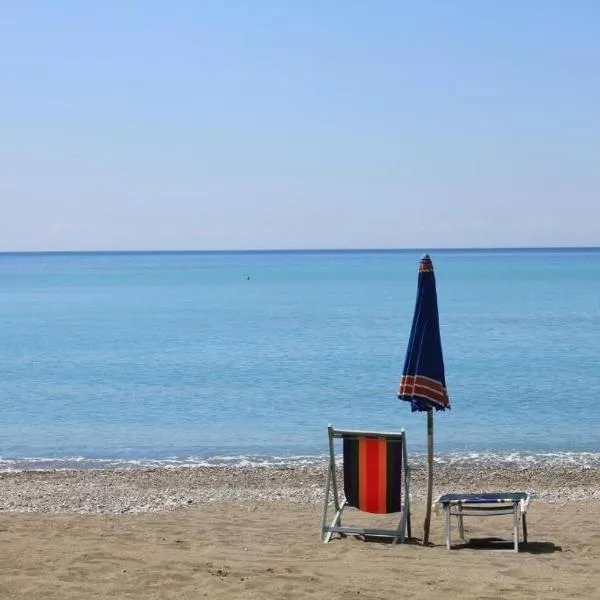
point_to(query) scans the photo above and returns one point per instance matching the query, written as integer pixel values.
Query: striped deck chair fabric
(376, 480)
(373, 474)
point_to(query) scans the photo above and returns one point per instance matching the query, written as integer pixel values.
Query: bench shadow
(487, 543)
(492, 543)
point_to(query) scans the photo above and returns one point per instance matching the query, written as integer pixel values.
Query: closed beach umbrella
(423, 381)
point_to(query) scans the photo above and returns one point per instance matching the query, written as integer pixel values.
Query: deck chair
(376, 480)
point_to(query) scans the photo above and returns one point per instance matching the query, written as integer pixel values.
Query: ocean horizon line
(447, 249)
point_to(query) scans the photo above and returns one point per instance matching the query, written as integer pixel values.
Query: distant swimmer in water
(247, 277)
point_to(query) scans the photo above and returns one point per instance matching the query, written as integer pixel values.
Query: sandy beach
(254, 533)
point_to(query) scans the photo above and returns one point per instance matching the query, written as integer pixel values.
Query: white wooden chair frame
(331, 485)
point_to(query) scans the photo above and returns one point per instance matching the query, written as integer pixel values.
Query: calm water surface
(113, 359)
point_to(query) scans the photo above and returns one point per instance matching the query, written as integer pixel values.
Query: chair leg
(516, 526)
(326, 505)
(399, 537)
(524, 518)
(401, 531)
(407, 502)
(337, 521)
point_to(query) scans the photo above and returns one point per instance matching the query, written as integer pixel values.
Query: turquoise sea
(126, 359)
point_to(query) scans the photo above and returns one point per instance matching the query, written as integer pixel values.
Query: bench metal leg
(461, 524)
(448, 527)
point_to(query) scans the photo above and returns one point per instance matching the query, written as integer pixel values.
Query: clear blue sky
(299, 124)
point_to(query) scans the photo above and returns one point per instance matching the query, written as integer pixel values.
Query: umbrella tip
(425, 265)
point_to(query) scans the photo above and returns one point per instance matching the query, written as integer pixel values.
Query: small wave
(68, 463)
(507, 460)
(519, 460)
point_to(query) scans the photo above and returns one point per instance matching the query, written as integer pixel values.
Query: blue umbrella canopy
(423, 382)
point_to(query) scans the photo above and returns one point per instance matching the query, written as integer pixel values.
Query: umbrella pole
(427, 520)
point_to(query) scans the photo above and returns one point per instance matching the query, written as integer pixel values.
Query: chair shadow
(377, 539)
(492, 543)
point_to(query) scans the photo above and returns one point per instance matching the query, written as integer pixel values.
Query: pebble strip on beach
(158, 490)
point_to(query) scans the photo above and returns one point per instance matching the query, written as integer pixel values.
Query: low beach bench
(376, 480)
(486, 505)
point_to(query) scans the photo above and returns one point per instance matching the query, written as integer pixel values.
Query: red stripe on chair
(372, 473)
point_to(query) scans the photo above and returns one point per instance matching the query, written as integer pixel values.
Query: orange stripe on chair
(372, 473)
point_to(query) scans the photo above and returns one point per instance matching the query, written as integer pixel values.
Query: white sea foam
(520, 460)
(509, 460)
